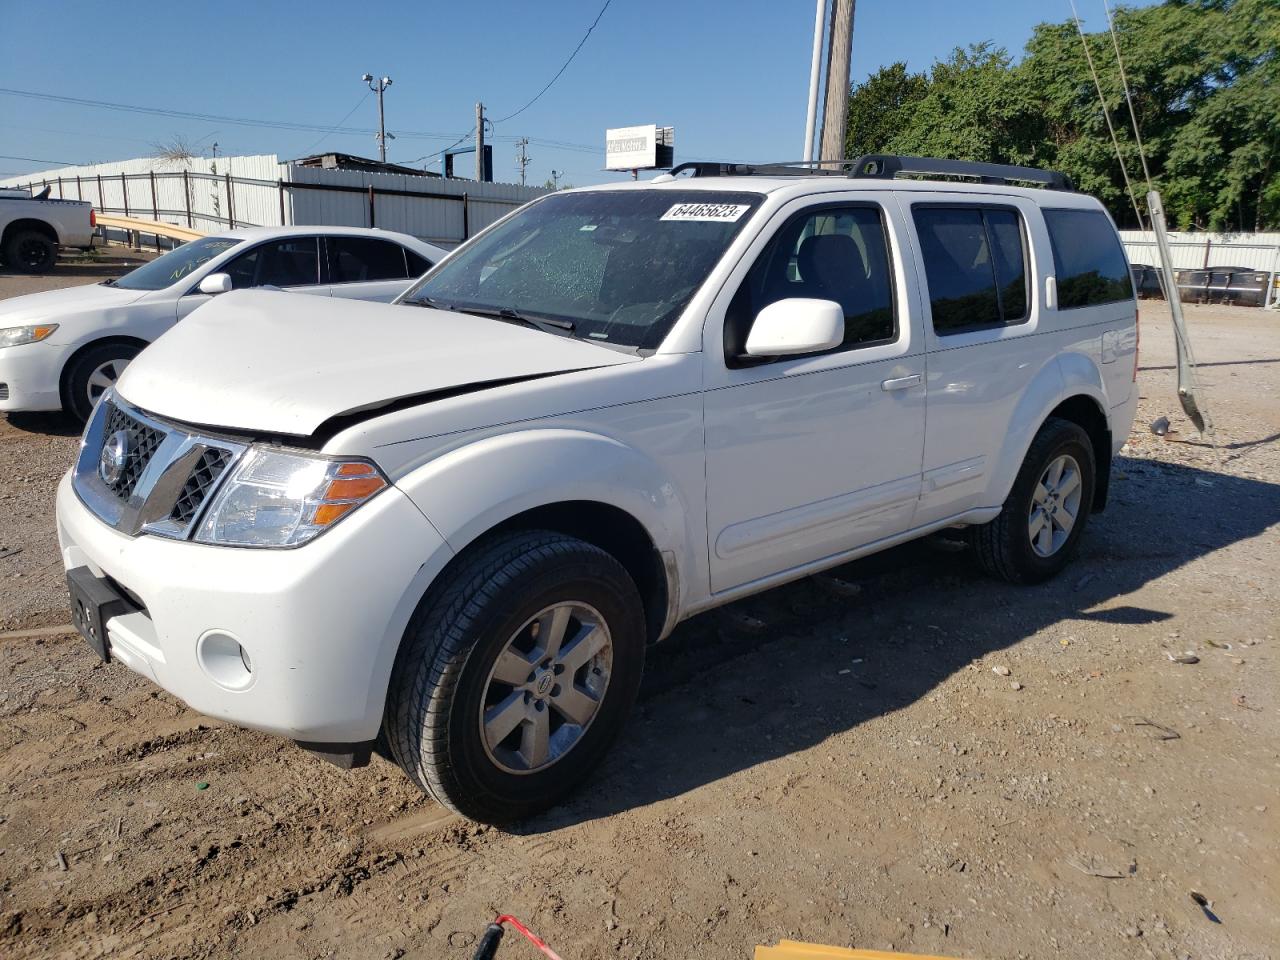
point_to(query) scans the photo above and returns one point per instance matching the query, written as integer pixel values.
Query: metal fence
(1246, 252)
(199, 195)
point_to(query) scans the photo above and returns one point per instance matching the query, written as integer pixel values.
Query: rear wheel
(516, 674)
(1040, 525)
(89, 376)
(30, 251)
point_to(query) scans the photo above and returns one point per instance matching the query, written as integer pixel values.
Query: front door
(809, 457)
(290, 263)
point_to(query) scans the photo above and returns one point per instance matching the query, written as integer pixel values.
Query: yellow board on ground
(791, 950)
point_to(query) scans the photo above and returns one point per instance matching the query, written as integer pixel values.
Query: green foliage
(1205, 80)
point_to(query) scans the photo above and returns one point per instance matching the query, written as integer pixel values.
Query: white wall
(256, 196)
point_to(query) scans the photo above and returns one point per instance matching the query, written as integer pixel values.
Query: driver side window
(838, 253)
(291, 262)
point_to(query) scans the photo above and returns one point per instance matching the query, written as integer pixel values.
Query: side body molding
(470, 490)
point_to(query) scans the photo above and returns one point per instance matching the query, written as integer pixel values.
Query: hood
(51, 304)
(271, 362)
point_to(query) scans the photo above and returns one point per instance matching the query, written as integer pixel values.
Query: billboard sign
(648, 147)
(631, 148)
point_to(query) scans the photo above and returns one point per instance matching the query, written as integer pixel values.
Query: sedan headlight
(16, 336)
(278, 499)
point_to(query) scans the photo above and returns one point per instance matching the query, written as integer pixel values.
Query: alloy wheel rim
(1055, 505)
(546, 687)
(34, 254)
(102, 378)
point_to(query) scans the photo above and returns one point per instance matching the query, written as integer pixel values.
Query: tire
(1005, 546)
(30, 251)
(447, 681)
(89, 374)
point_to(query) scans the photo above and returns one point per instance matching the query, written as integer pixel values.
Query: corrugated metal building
(215, 194)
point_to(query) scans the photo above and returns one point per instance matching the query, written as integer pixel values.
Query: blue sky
(731, 77)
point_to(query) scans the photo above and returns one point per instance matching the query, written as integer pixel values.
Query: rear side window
(417, 265)
(361, 259)
(1088, 261)
(975, 264)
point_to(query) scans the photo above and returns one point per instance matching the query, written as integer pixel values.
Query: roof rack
(883, 166)
(782, 168)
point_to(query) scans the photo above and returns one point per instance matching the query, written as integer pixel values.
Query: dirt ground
(853, 773)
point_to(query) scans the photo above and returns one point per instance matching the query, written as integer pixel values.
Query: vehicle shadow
(716, 701)
(58, 424)
(85, 268)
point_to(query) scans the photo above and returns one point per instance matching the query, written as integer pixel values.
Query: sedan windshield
(610, 265)
(176, 264)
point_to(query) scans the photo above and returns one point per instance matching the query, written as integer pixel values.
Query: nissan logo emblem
(116, 454)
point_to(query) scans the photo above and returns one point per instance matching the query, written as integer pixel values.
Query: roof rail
(784, 168)
(884, 166)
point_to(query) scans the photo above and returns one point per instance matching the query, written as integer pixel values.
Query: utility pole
(555, 179)
(524, 160)
(479, 143)
(815, 65)
(836, 104)
(379, 88)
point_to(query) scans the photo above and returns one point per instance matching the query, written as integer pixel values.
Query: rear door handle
(902, 383)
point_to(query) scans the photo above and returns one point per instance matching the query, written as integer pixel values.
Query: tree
(878, 108)
(1205, 80)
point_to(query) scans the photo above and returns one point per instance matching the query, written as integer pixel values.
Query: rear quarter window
(1089, 263)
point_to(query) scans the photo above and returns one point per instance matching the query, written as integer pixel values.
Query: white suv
(451, 532)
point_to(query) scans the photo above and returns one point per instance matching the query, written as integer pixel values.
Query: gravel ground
(856, 773)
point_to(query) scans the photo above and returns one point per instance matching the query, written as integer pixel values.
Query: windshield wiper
(503, 313)
(541, 323)
(109, 283)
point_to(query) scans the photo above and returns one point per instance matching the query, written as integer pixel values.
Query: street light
(378, 87)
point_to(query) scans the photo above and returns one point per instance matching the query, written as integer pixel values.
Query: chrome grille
(144, 440)
(202, 479)
(171, 472)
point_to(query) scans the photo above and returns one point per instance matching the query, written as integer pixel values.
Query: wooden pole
(836, 104)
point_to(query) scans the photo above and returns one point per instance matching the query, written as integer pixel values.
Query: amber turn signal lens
(326, 513)
(356, 488)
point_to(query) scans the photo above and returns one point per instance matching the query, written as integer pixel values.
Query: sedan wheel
(103, 377)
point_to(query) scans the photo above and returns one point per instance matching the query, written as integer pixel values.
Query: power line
(325, 136)
(61, 163)
(563, 68)
(215, 118)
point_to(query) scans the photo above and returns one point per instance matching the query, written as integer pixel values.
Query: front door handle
(902, 383)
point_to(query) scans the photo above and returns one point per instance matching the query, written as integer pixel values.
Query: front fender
(470, 490)
(1070, 375)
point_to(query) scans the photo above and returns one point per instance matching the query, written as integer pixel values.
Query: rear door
(975, 257)
(367, 268)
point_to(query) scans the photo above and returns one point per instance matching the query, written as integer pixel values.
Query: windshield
(616, 266)
(176, 264)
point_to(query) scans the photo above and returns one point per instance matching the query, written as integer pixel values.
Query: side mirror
(796, 326)
(215, 283)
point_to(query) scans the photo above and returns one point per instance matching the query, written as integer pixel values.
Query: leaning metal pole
(1187, 395)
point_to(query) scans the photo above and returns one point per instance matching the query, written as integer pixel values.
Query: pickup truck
(32, 228)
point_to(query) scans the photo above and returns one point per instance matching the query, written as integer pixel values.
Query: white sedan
(60, 349)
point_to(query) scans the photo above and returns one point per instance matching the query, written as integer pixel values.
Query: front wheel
(1041, 522)
(91, 374)
(516, 674)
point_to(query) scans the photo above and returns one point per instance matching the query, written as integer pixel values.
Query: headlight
(16, 336)
(277, 499)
